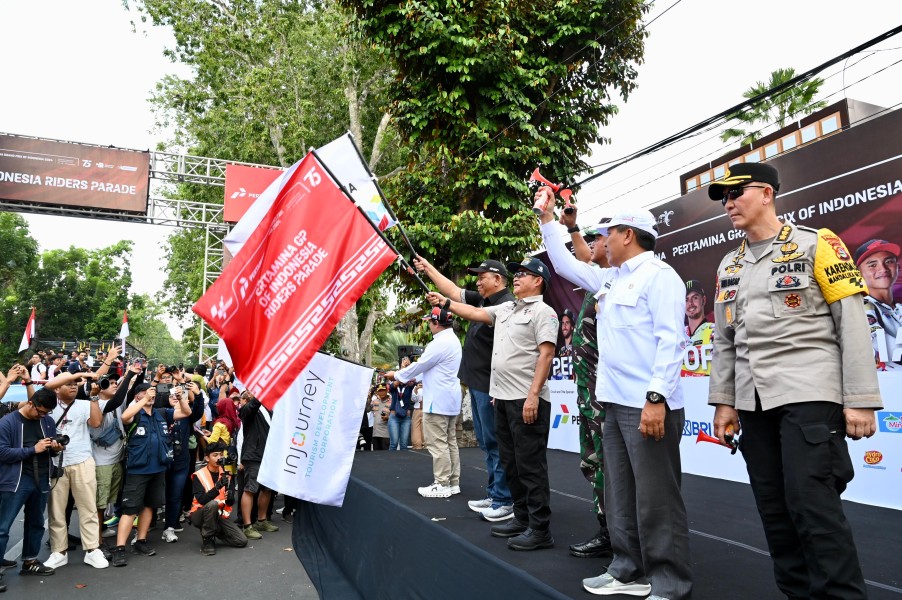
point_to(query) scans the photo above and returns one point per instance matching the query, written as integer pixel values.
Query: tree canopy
(776, 110)
(484, 92)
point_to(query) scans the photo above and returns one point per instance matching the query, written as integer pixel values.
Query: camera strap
(63, 416)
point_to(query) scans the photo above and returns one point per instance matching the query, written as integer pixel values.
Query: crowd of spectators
(393, 418)
(127, 445)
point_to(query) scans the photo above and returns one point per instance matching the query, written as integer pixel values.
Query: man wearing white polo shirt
(642, 302)
(437, 367)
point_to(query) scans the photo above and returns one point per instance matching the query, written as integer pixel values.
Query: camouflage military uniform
(591, 422)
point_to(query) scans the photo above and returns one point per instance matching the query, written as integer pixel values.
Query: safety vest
(206, 480)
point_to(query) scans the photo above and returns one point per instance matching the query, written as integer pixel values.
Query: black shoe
(74, 541)
(8, 564)
(119, 559)
(2, 585)
(531, 539)
(33, 567)
(142, 547)
(509, 529)
(107, 554)
(209, 547)
(598, 546)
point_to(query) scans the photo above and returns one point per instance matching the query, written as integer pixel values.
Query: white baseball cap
(640, 219)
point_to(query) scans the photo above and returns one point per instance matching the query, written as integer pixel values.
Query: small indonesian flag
(29, 333)
(123, 333)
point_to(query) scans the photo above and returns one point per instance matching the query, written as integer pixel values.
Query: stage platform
(389, 542)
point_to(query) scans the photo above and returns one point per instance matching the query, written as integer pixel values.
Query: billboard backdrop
(67, 174)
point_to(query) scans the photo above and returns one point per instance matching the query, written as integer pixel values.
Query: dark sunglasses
(734, 193)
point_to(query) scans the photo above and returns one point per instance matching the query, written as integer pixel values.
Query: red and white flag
(123, 331)
(311, 257)
(29, 333)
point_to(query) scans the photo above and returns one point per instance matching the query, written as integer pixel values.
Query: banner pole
(381, 234)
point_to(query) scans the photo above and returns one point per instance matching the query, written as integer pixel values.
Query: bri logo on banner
(692, 428)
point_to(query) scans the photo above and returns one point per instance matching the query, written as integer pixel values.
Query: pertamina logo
(564, 418)
(889, 422)
(872, 459)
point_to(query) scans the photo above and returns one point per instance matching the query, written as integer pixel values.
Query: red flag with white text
(308, 261)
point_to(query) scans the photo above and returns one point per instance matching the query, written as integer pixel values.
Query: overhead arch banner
(38, 171)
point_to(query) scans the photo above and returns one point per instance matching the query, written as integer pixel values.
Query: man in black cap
(699, 330)
(792, 366)
(878, 261)
(475, 371)
(525, 334)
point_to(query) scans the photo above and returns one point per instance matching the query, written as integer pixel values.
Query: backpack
(109, 432)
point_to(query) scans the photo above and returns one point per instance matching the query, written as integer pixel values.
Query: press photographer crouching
(214, 495)
(27, 438)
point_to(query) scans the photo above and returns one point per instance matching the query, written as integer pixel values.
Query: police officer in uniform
(793, 368)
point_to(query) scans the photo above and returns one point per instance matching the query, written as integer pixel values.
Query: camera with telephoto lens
(104, 382)
(61, 439)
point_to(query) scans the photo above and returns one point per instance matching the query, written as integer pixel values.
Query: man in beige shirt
(792, 366)
(525, 336)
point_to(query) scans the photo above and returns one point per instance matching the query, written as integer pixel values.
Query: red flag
(309, 260)
(29, 332)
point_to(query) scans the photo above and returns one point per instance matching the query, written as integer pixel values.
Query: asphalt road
(266, 568)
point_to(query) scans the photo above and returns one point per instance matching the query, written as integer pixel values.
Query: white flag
(313, 435)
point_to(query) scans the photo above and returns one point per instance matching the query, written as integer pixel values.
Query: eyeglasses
(520, 274)
(41, 413)
(734, 193)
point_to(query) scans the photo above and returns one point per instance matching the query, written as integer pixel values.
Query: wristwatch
(654, 397)
(574, 229)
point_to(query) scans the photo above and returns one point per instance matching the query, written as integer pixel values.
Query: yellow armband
(836, 274)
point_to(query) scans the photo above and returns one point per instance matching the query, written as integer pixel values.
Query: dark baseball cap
(741, 174)
(533, 265)
(435, 315)
(694, 285)
(141, 387)
(490, 266)
(872, 246)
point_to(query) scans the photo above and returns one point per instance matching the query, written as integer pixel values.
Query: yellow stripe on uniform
(836, 274)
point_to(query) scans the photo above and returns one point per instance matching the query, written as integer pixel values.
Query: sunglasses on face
(734, 193)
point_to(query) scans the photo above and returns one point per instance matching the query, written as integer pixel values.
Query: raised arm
(445, 286)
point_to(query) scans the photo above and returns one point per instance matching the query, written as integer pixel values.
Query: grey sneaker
(501, 513)
(480, 505)
(606, 585)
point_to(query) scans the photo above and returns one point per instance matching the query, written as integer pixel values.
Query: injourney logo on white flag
(313, 435)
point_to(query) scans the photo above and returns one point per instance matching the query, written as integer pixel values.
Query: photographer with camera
(380, 405)
(214, 496)
(74, 414)
(150, 452)
(27, 437)
(178, 471)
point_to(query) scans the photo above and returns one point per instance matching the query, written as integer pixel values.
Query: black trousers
(522, 451)
(798, 465)
(209, 522)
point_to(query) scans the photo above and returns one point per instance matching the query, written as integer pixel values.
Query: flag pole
(375, 227)
(382, 195)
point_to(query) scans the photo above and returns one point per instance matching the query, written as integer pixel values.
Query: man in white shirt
(641, 344)
(437, 367)
(74, 414)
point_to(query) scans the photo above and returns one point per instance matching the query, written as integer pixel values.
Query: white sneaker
(502, 513)
(95, 559)
(436, 490)
(606, 585)
(480, 505)
(169, 535)
(455, 489)
(57, 560)
(134, 538)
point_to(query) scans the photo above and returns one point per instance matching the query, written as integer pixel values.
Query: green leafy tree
(153, 337)
(794, 103)
(20, 261)
(271, 78)
(485, 91)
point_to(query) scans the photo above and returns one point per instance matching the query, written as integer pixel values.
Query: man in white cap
(640, 344)
(437, 368)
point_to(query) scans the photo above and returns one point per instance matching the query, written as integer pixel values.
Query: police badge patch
(792, 300)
